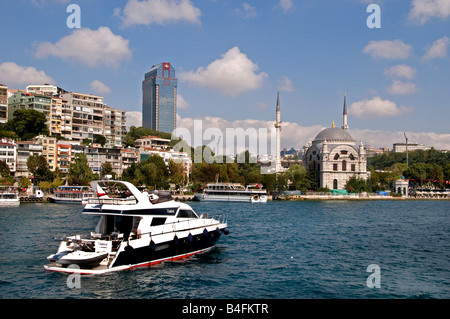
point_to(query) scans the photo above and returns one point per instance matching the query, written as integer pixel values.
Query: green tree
(152, 172)
(100, 139)
(176, 174)
(106, 169)
(79, 171)
(39, 168)
(298, 177)
(27, 123)
(356, 184)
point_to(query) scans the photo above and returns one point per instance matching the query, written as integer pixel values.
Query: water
(279, 250)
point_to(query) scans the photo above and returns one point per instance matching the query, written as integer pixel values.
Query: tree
(100, 139)
(356, 184)
(27, 123)
(298, 177)
(176, 174)
(79, 171)
(38, 167)
(106, 169)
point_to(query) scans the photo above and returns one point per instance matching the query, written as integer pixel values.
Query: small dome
(334, 134)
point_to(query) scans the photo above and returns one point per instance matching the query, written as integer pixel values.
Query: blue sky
(397, 77)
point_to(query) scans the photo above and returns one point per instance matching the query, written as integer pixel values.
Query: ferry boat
(232, 192)
(72, 195)
(135, 230)
(9, 197)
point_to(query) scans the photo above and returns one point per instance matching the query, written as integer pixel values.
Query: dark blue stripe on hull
(183, 246)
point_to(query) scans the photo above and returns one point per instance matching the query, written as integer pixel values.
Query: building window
(353, 167)
(335, 184)
(336, 156)
(344, 165)
(334, 167)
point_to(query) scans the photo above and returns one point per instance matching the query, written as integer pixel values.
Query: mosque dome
(334, 134)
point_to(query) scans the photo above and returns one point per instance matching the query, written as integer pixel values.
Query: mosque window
(344, 165)
(352, 157)
(334, 167)
(336, 156)
(344, 152)
(335, 184)
(353, 167)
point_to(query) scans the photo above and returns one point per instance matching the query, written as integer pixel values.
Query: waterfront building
(63, 156)
(3, 103)
(56, 116)
(24, 150)
(128, 157)
(154, 142)
(49, 150)
(334, 157)
(8, 153)
(159, 98)
(114, 127)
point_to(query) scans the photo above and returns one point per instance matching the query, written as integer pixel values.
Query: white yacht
(72, 195)
(135, 230)
(9, 196)
(233, 192)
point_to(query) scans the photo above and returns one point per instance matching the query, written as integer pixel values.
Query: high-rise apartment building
(86, 119)
(115, 129)
(159, 98)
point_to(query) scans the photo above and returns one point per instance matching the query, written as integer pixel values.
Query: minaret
(278, 127)
(345, 125)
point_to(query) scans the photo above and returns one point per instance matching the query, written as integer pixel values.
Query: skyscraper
(159, 98)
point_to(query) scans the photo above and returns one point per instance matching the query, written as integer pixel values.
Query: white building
(334, 156)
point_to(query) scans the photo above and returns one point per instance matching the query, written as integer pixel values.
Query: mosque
(334, 156)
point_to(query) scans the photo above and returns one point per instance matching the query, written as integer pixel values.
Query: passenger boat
(135, 230)
(9, 196)
(72, 195)
(232, 192)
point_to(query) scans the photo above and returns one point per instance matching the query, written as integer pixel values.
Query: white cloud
(134, 118)
(376, 107)
(295, 135)
(385, 49)
(90, 47)
(424, 10)
(159, 12)
(286, 5)
(181, 102)
(247, 11)
(12, 74)
(402, 88)
(401, 71)
(100, 87)
(438, 49)
(234, 73)
(286, 84)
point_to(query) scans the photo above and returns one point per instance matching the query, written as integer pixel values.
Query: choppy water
(280, 250)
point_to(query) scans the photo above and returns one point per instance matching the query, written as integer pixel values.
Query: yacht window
(186, 213)
(156, 221)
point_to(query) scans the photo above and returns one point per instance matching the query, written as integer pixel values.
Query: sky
(231, 57)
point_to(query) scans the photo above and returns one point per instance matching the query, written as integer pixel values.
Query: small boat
(232, 192)
(9, 196)
(72, 195)
(135, 229)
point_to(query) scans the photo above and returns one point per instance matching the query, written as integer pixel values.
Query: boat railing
(112, 201)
